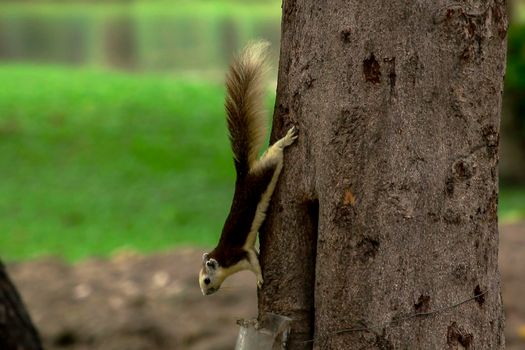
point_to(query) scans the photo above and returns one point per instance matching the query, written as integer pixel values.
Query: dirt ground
(138, 302)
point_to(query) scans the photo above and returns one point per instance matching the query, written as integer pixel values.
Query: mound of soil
(132, 302)
(136, 302)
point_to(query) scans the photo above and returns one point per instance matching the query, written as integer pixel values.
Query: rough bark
(16, 329)
(387, 205)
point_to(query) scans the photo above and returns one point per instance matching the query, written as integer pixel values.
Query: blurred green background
(112, 133)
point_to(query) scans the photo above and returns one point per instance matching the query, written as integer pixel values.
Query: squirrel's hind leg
(274, 154)
(288, 139)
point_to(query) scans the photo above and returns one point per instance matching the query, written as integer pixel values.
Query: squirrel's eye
(207, 280)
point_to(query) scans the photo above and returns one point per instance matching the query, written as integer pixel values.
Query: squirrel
(256, 176)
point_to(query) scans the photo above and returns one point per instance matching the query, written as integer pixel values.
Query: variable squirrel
(256, 176)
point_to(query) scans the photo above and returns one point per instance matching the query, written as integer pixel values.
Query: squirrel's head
(210, 276)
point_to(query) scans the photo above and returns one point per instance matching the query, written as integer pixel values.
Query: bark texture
(387, 205)
(16, 329)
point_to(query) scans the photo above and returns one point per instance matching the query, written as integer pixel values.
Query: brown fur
(245, 106)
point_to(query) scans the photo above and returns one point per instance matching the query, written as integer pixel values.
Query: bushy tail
(245, 105)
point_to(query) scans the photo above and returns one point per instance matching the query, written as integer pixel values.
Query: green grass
(93, 161)
(511, 204)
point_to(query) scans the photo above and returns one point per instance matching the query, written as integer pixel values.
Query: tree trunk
(16, 330)
(387, 206)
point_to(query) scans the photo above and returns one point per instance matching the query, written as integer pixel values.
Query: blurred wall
(142, 36)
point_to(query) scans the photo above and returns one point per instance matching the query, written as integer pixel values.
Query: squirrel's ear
(205, 257)
(212, 264)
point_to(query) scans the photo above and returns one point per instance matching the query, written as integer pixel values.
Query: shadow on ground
(138, 302)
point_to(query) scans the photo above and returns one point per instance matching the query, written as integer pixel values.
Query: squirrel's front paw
(259, 282)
